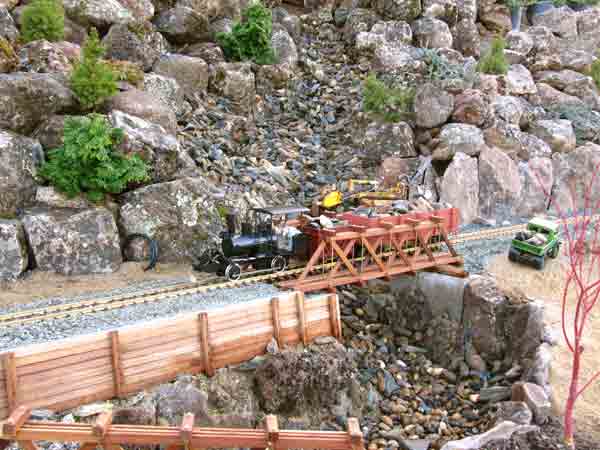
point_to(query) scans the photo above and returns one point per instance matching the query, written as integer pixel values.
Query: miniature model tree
(581, 290)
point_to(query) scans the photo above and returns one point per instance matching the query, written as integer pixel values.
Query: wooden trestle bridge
(102, 433)
(381, 248)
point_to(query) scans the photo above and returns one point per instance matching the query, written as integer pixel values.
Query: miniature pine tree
(92, 80)
(595, 72)
(43, 19)
(89, 163)
(250, 39)
(494, 62)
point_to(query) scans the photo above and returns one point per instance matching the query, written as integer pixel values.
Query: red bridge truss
(355, 254)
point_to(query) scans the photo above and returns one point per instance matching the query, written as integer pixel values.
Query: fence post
(204, 344)
(10, 373)
(334, 313)
(276, 321)
(272, 427)
(354, 434)
(116, 362)
(302, 317)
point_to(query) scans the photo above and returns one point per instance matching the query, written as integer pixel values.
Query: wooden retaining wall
(67, 373)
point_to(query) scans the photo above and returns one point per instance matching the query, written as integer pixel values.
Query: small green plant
(250, 39)
(43, 19)
(595, 72)
(127, 71)
(440, 69)
(9, 58)
(88, 161)
(392, 103)
(92, 80)
(494, 62)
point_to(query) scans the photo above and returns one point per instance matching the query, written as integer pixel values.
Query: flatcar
(276, 236)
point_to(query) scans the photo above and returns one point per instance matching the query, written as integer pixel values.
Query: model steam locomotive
(267, 243)
(276, 236)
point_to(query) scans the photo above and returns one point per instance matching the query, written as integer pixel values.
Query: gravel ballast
(49, 330)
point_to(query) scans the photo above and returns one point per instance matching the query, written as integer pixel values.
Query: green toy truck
(539, 240)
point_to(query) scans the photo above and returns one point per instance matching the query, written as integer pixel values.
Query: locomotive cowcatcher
(265, 244)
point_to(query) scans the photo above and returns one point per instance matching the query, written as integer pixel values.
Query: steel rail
(118, 301)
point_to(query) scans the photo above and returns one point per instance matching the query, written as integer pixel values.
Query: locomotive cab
(266, 244)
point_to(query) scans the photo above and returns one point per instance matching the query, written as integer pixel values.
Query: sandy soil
(41, 285)
(547, 286)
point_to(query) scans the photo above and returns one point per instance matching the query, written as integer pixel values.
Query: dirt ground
(42, 285)
(547, 286)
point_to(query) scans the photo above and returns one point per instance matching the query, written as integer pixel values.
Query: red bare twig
(582, 282)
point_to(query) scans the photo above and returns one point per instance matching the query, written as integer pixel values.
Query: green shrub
(92, 80)
(88, 161)
(43, 19)
(595, 72)
(250, 39)
(494, 62)
(393, 104)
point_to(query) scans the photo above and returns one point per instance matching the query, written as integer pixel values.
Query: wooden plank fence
(70, 372)
(103, 433)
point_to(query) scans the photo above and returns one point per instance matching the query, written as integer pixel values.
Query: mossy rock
(8, 57)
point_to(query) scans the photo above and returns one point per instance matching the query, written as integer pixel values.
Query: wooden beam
(102, 424)
(88, 446)
(204, 344)
(355, 434)
(186, 428)
(301, 317)
(276, 321)
(15, 421)
(115, 349)
(334, 316)
(10, 374)
(272, 427)
(447, 269)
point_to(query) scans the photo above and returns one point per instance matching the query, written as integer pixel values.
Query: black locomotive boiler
(265, 244)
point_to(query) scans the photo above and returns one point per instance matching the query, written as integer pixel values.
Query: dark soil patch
(548, 437)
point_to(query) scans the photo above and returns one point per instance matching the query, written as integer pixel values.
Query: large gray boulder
(537, 179)
(139, 44)
(359, 20)
(215, 9)
(27, 99)
(181, 215)
(499, 184)
(572, 83)
(460, 186)
(8, 28)
(576, 170)
(431, 33)
(382, 140)
(407, 10)
(51, 132)
(48, 57)
(519, 81)
(284, 46)
(167, 91)
(73, 242)
(182, 25)
(144, 105)
(557, 133)
(190, 73)
(561, 21)
(14, 257)
(459, 137)
(104, 13)
(235, 82)
(471, 107)
(157, 147)
(433, 106)
(20, 158)
(466, 38)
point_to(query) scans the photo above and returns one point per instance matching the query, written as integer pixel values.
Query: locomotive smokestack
(230, 218)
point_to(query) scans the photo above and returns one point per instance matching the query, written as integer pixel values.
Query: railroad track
(118, 301)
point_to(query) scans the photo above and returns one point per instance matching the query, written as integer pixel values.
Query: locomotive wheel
(233, 272)
(278, 264)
